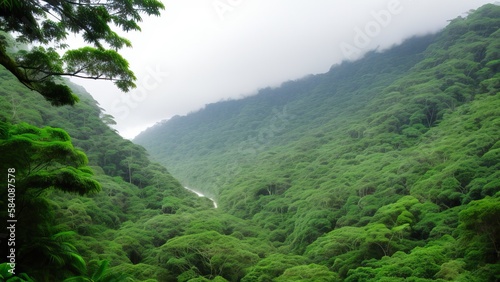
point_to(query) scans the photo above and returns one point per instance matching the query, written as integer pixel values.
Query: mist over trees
(382, 169)
(365, 169)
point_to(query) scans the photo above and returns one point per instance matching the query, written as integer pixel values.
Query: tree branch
(9, 64)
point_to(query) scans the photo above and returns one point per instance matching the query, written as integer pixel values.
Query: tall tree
(43, 22)
(35, 161)
(44, 158)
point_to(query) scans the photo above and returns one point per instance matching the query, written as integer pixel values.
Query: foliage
(45, 158)
(100, 275)
(365, 169)
(311, 272)
(208, 254)
(43, 22)
(383, 169)
(479, 222)
(272, 266)
(38, 160)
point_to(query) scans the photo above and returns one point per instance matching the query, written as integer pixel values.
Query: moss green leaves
(43, 22)
(384, 169)
(479, 222)
(100, 64)
(308, 273)
(45, 158)
(208, 254)
(387, 169)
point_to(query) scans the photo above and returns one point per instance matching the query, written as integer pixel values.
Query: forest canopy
(382, 169)
(46, 25)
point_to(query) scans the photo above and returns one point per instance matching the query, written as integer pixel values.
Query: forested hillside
(89, 205)
(383, 169)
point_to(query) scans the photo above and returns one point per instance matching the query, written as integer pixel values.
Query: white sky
(205, 51)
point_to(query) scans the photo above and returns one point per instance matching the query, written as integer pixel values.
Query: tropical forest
(385, 168)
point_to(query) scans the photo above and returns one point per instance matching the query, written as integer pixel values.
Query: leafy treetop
(42, 22)
(44, 158)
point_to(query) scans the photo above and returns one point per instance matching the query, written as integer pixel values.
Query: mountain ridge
(382, 148)
(273, 100)
(385, 169)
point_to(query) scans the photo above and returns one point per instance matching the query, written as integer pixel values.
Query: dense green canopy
(383, 169)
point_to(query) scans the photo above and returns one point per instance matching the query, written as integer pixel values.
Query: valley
(381, 169)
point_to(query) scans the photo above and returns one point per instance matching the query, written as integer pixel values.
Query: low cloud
(207, 51)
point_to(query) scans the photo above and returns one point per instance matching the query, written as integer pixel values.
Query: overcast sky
(205, 51)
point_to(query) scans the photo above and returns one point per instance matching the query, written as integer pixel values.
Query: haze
(201, 52)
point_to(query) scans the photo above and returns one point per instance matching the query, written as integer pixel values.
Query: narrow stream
(201, 195)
